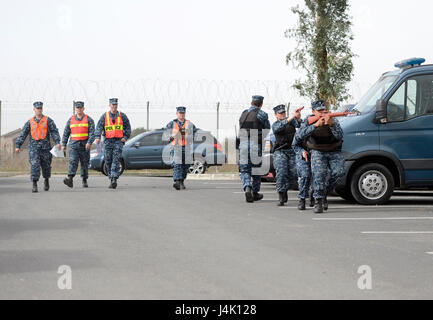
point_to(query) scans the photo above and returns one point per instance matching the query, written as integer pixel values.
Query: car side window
(395, 107)
(151, 140)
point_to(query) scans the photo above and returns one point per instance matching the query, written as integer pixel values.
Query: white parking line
(378, 218)
(429, 252)
(397, 232)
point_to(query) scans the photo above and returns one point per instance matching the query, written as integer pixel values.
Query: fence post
(288, 107)
(1, 148)
(218, 121)
(147, 116)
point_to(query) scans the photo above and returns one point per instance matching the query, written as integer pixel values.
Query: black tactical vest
(284, 138)
(250, 121)
(322, 139)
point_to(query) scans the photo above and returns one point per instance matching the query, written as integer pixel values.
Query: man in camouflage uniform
(114, 125)
(303, 166)
(284, 130)
(41, 128)
(81, 130)
(181, 133)
(324, 138)
(253, 124)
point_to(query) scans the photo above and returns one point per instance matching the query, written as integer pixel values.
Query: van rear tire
(372, 184)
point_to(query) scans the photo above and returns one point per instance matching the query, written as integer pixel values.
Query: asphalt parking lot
(146, 240)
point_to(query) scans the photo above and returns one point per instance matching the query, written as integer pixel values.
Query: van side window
(424, 95)
(395, 107)
(412, 99)
(411, 105)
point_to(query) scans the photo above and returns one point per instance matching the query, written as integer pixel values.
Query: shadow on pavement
(20, 261)
(9, 227)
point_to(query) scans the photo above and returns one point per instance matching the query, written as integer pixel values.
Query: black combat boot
(257, 196)
(281, 199)
(47, 184)
(111, 184)
(318, 206)
(301, 204)
(286, 197)
(35, 187)
(182, 186)
(68, 181)
(85, 185)
(325, 203)
(248, 195)
(311, 200)
(176, 184)
(114, 183)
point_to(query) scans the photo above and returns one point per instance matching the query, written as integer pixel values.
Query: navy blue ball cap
(113, 101)
(281, 108)
(181, 109)
(318, 105)
(38, 104)
(258, 98)
(78, 104)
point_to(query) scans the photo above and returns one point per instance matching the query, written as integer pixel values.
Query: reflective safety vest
(180, 135)
(39, 130)
(79, 129)
(113, 130)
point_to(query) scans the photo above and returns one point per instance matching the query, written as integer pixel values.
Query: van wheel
(345, 193)
(122, 168)
(372, 184)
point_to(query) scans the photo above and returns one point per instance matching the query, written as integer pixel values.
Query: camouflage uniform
(77, 148)
(248, 148)
(113, 147)
(39, 151)
(323, 162)
(303, 167)
(284, 160)
(181, 156)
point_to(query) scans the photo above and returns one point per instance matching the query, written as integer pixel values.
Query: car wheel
(345, 193)
(198, 167)
(372, 184)
(104, 168)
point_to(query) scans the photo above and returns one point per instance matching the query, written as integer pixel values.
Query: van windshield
(368, 101)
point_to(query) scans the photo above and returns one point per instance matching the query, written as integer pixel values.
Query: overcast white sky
(192, 39)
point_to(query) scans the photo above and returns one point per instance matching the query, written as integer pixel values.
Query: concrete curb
(214, 176)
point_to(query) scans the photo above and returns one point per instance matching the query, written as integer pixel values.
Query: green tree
(323, 34)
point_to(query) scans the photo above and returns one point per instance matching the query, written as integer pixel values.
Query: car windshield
(368, 101)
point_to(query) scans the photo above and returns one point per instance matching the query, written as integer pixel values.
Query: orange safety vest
(180, 135)
(113, 130)
(39, 130)
(79, 129)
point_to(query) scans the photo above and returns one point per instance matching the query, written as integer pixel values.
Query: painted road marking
(378, 218)
(397, 232)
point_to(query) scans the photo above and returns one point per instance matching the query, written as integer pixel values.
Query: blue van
(388, 143)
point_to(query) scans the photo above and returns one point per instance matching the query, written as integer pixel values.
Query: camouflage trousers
(81, 155)
(322, 164)
(179, 163)
(248, 151)
(304, 174)
(40, 158)
(113, 155)
(285, 168)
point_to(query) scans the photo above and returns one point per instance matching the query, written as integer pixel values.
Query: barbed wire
(232, 94)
